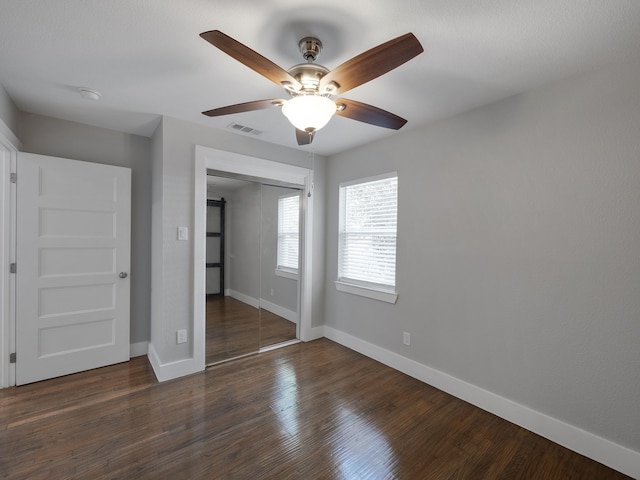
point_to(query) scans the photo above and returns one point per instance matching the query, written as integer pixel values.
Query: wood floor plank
(234, 328)
(308, 411)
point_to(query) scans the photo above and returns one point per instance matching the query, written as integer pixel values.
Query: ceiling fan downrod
(310, 47)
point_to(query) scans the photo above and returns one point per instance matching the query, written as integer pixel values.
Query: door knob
(123, 275)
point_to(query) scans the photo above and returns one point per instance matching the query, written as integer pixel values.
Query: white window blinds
(288, 232)
(367, 237)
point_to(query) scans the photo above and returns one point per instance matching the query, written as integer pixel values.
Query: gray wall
(243, 218)
(172, 288)
(60, 138)
(518, 265)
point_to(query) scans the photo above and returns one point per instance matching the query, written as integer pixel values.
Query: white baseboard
(278, 310)
(138, 349)
(171, 370)
(254, 302)
(315, 333)
(585, 443)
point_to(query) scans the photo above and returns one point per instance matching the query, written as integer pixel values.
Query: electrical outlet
(181, 336)
(406, 338)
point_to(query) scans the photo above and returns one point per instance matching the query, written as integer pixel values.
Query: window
(367, 237)
(288, 234)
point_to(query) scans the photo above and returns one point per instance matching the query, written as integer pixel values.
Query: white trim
(315, 333)
(231, 162)
(12, 281)
(286, 195)
(285, 313)
(5, 260)
(220, 160)
(9, 147)
(585, 443)
(199, 241)
(305, 268)
(241, 297)
(375, 178)
(276, 346)
(8, 138)
(171, 370)
(138, 349)
(382, 295)
(286, 274)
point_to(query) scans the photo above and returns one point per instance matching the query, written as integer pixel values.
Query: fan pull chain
(312, 157)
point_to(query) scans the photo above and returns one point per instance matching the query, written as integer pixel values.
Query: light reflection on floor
(367, 453)
(286, 405)
(352, 458)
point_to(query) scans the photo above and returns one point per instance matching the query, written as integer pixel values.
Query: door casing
(220, 160)
(9, 146)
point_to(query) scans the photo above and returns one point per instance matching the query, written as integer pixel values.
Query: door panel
(73, 238)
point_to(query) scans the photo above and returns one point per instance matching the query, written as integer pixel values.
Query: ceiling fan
(312, 86)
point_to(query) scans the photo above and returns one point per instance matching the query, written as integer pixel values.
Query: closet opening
(252, 260)
(252, 271)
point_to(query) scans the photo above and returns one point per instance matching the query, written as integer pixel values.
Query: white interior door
(73, 257)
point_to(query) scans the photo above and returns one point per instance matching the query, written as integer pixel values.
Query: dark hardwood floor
(275, 329)
(234, 329)
(307, 411)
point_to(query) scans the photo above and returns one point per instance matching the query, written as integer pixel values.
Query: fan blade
(372, 63)
(251, 59)
(304, 138)
(368, 114)
(244, 107)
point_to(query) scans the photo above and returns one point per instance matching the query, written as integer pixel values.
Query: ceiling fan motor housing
(309, 75)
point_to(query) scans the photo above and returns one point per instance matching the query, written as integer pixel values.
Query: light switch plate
(183, 233)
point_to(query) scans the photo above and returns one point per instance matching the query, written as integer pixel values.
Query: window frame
(285, 270)
(377, 291)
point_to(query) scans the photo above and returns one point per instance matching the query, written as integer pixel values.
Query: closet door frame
(223, 161)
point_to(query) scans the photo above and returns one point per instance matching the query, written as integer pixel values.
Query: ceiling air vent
(237, 127)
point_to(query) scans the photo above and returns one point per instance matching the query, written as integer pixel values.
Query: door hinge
(13, 268)
(13, 178)
(12, 357)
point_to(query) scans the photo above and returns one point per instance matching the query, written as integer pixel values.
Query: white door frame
(9, 146)
(223, 161)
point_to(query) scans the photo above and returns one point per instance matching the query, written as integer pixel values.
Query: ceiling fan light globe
(309, 112)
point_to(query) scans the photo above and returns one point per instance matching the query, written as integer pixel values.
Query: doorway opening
(252, 259)
(265, 172)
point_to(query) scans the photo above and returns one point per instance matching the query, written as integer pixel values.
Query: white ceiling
(147, 60)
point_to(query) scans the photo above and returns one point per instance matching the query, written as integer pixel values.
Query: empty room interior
(344, 240)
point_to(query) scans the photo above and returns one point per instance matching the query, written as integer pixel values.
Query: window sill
(381, 295)
(286, 274)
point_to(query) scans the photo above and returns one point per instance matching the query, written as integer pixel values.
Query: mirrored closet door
(253, 244)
